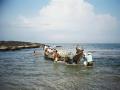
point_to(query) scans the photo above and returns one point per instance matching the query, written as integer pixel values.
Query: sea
(22, 70)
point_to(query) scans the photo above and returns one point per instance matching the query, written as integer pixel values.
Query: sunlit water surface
(21, 70)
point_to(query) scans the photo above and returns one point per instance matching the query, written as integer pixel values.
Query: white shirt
(45, 47)
(89, 58)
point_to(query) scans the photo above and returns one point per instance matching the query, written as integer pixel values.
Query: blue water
(21, 70)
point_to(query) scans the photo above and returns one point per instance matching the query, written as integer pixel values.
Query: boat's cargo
(69, 58)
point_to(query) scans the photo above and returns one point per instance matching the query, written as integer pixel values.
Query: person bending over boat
(78, 56)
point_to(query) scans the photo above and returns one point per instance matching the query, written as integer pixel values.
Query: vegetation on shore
(17, 45)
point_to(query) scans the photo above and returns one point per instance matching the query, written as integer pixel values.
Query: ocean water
(21, 70)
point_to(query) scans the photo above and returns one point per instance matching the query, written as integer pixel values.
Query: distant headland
(17, 45)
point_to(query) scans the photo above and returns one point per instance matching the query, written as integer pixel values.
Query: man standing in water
(89, 60)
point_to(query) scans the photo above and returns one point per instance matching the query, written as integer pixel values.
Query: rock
(16, 45)
(3, 47)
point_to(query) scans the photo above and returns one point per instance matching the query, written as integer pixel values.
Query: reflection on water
(21, 70)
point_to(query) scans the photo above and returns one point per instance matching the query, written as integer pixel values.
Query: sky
(60, 21)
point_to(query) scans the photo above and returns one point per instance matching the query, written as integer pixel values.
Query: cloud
(72, 19)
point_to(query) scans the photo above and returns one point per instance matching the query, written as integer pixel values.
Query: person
(46, 52)
(78, 50)
(46, 47)
(34, 53)
(89, 60)
(50, 50)
(56, 55)
(78, 56)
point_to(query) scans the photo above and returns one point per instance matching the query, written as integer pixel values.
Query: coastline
(18, 45)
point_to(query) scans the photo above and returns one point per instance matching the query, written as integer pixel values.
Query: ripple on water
(21, 70)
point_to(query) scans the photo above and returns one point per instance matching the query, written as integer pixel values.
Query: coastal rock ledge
(17, 45)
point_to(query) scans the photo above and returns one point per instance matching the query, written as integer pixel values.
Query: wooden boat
(66, 57)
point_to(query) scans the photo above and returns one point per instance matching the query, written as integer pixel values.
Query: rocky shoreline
(17, 45)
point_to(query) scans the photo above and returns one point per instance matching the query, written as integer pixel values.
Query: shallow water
(21, 70)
